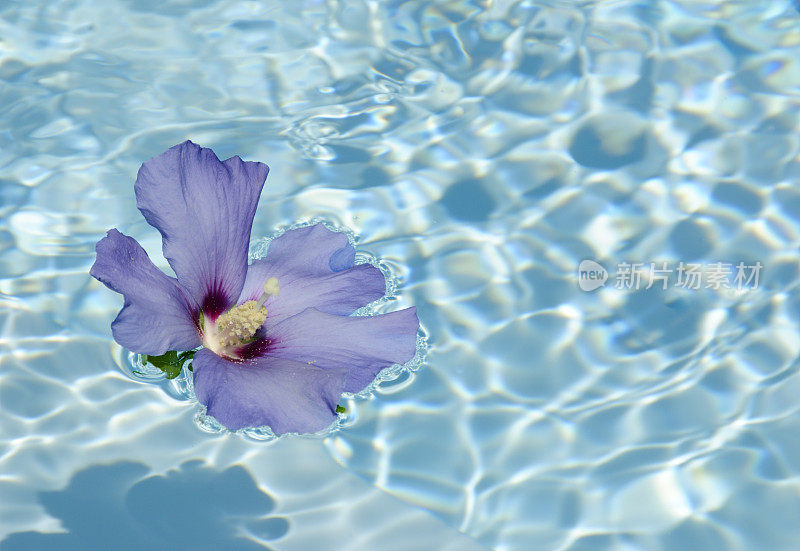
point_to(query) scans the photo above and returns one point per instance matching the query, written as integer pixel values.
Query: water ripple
(482, 150)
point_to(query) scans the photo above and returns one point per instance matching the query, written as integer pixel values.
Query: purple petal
(157, 315)
(339, 293)
(361, 346)
(285, 395)
(311, 250)
(204, 210)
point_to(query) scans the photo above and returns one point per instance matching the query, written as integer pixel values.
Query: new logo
(591, 275)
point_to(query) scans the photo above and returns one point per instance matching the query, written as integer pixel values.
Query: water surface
(483, 150)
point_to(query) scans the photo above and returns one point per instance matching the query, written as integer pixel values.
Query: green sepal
(170, 362)
(341, 409)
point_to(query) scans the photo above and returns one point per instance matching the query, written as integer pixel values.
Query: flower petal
(157, 315)
(339, 293)
(287, 396)
(310, 250)
(360, 345)
(204, 210)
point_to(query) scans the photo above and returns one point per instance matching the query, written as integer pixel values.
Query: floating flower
(279, 346)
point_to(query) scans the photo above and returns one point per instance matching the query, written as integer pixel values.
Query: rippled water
(483, 150)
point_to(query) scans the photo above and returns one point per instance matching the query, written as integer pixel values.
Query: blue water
(482, 150)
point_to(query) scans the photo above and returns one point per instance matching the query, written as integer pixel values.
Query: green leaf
(341, 409)
(170, 362)
(188, 355)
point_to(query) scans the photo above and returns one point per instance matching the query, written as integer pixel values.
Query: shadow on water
(192, 507)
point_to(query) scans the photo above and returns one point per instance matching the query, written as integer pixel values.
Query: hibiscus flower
(279, 346)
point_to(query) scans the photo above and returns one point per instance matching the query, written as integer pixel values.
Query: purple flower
(279, 344)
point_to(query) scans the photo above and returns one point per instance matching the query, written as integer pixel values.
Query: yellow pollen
(240, 323)
(271, 289)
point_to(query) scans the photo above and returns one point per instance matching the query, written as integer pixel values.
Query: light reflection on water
(482, 151)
